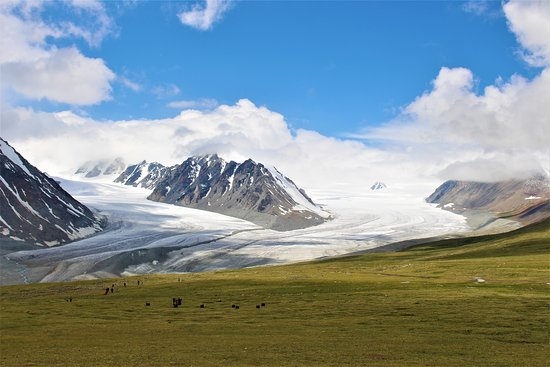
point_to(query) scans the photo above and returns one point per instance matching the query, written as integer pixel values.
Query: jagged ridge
(248, 190)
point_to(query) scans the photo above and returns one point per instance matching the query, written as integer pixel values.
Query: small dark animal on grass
(112, 289)
(201, 306)
(263, 304)
(106, 291)
(147, 304)
(233, 306)
(236, 307)
(176, 302)
(257, 306)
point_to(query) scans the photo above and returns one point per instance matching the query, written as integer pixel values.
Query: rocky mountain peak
(247, 190)
(35, 208)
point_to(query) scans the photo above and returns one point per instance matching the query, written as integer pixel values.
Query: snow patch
(302, 202)
(13, 156)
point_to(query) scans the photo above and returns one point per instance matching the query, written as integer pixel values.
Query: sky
(333, 93)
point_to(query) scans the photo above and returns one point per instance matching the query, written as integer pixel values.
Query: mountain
(35, 208)
(145, 175)
(94, 169)
(249, 190)
(525, 200)
(378, 186)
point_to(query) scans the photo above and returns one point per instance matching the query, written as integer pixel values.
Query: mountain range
(249, 190)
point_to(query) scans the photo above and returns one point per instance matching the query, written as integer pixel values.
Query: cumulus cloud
(35, 68)
(204, 16)
(202, 103)
(497, 134)
(508, 124)
(530, 21)
(65, 75)
(60, 142)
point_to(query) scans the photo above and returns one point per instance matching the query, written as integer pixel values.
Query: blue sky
(329, 92)
(334, 67)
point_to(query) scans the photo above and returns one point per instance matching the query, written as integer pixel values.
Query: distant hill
(98, 168)
(525, 200)
(35, 208)
(378, 186)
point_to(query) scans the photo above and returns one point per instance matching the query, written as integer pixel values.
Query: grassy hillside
(420, 307)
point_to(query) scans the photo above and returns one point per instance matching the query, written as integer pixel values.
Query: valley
(479, 301)
(147, 237)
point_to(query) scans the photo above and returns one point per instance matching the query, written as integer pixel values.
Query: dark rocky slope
(35, 209)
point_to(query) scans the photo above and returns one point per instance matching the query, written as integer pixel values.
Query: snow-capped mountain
(93, 169)
(378, 186)
(35, 208)
(145, 175)
(526, 200)
(248, 190)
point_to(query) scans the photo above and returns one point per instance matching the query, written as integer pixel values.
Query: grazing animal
(257, 306)
(179, 301)
(263, 304)
(106, 291)
(201, 306)
(112, 290)
(147, 304)
(233, 306)
(124, 284)
(236, 307)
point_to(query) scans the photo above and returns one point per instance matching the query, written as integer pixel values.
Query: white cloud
(166, 91)
(202, 103)
(203, 17)
(36, 69)
(477, 7)
(65, 75)
(500, 133)
(130, 84)
(508, 124)
(450, 131)
(530, 21)
(63, 141)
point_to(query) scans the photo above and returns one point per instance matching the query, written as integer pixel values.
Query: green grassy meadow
(418, 307)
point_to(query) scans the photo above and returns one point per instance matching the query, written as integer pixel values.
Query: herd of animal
(176, 301)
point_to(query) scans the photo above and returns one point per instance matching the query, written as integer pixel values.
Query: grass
(419, 307)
